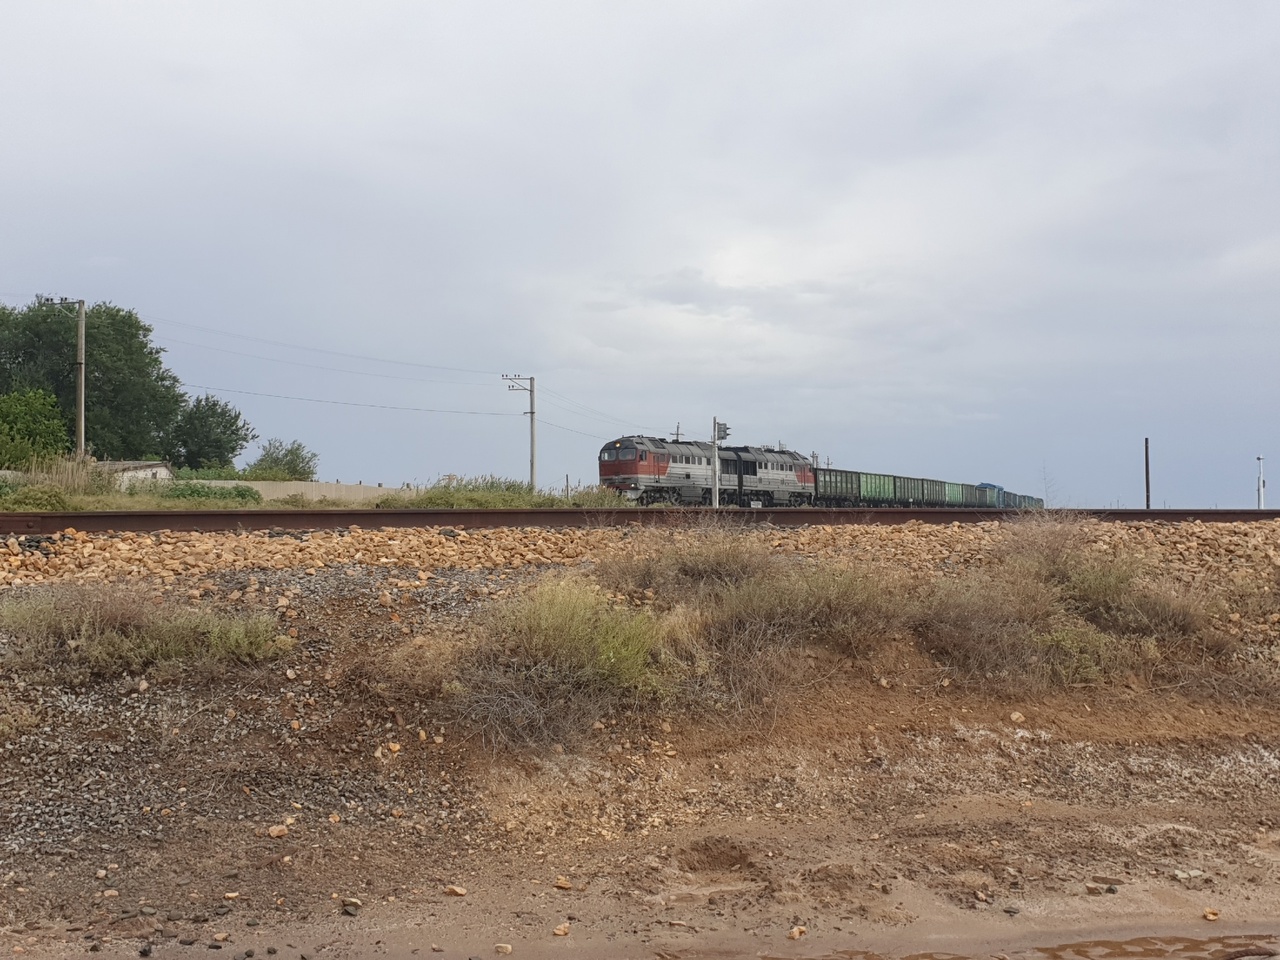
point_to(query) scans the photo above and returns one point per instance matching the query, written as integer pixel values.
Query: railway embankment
(1190, 552)
(805, 728)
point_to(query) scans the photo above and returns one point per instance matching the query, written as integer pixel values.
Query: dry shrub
(685, 565)
(423, 666)
(837, 608)
(1045, 548)
(1080, 654)
(17, 719)
(35, 498)
(104, 630)
(738, 615)
(984, 627)
(747, 637)
(1055, 610)
(556, 658)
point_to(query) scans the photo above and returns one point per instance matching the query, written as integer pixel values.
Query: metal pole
(80, 380)
(1262, 487)
(533, 441)
(715, 459)
(1146, 449)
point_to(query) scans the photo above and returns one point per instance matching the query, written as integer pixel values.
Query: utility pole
(719, 431)
(80, 324)
(1262, 486)
(79, 379)
(517, 382)
(1146, 451)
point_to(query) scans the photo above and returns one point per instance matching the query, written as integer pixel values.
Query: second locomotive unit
(656, 470)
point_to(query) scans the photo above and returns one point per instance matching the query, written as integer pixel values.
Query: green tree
(30, 426)
(283, 461)
(209, 433)
(132, 401)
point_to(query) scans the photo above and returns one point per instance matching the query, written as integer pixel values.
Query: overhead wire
(598, 414)
(352, 403)
(300, 346)
(316, 366)
(548, 423)
(612, 421)
(554, 398)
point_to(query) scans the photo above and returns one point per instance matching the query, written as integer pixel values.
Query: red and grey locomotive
(654, 470)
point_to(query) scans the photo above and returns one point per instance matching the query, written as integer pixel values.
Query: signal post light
(719, 431)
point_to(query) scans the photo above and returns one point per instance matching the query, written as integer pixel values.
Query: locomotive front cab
(620, 467)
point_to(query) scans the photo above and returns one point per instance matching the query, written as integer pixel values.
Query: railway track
(293, 520)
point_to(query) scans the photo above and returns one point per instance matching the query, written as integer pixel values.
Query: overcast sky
(978, 241)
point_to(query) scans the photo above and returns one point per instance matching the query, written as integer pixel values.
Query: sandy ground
(878, 824)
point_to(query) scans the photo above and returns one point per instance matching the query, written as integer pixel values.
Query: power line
(547, 423)
(590, 413)
(610, 421)
(316, 366)
(568, 404)
(299, 346)
(601, 415)
(351, 403)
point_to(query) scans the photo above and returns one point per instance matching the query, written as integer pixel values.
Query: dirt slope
(874, 813)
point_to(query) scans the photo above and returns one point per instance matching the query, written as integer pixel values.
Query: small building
(128, 472)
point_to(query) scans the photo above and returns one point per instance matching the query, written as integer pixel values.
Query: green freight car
(853, 488)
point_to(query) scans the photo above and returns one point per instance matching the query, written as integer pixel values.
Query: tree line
(135, 407)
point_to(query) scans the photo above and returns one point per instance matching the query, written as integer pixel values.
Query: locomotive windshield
(610, 454)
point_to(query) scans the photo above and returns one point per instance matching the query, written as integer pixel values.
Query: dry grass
(489, 492)
(740, 616)
(554, 660)
(983, 627)
(74, 478)
(100, 631)
(1057, 611)
(710, 617)
(685, 565)
(17, 719)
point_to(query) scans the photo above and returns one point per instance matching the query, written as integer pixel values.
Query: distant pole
(1262, 486)
(517, 382)
(1146, 449)
(80, 324)
(715, 459)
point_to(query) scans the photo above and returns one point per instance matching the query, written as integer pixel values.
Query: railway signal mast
(1262, 486)
(719, 431)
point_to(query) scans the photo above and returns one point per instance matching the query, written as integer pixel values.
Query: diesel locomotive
(657, 470)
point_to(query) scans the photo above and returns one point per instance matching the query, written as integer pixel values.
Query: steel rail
(119, 521)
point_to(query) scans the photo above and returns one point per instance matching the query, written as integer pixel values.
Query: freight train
(656, 470)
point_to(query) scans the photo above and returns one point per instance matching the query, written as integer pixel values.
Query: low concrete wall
(275, 489)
